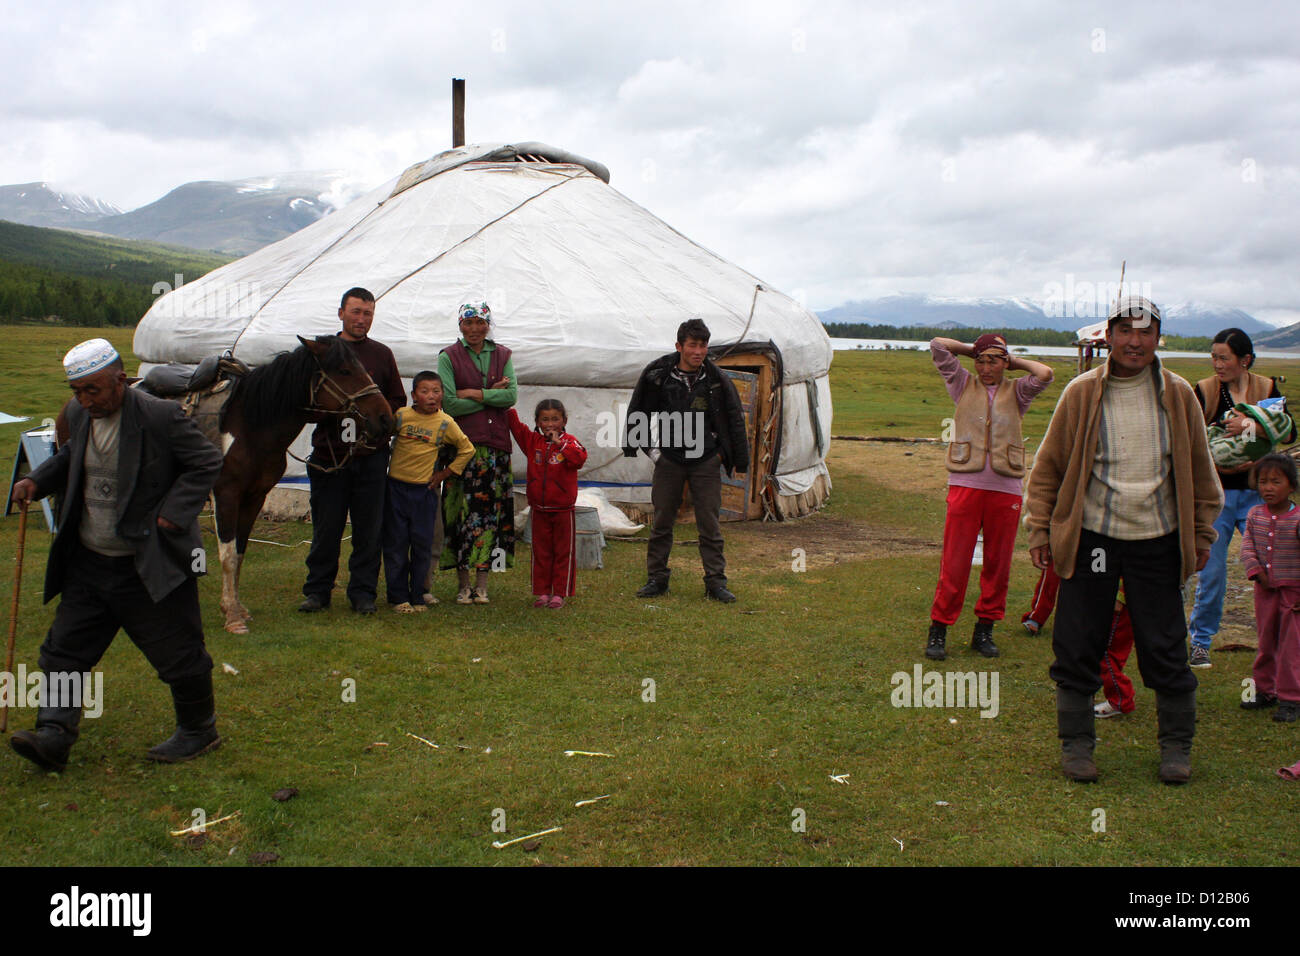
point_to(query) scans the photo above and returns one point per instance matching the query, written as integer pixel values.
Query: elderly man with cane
(133, 475)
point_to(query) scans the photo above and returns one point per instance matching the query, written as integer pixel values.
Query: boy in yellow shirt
(411, 507)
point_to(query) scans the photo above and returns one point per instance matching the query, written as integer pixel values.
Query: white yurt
(586, 287)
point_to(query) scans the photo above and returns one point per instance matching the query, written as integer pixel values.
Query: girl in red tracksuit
(554, 457)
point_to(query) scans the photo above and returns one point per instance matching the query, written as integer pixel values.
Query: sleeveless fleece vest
(976, 434)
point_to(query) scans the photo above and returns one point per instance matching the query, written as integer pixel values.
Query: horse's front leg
(227, 517)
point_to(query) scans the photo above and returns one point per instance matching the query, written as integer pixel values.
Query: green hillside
(52, 275)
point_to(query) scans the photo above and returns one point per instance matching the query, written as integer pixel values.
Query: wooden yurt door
(736, 487)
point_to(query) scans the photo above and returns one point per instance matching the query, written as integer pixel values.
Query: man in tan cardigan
(1123, 487)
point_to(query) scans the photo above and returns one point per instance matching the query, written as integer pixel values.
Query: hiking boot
(1176, 723)
(196, 722)
(1200, 657)
(981, 639)
(313, 602)
(1075, 727)
(48, 745)
(1287, 712)
(720, 593)
(1261, 702)
(652, 588)
(935, 648)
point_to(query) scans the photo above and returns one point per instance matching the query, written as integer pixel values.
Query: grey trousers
(705, 479)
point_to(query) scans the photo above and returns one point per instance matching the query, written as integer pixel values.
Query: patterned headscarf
(472, 310)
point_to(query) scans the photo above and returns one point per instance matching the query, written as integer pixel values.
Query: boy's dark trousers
(410, 513)
(705, 480)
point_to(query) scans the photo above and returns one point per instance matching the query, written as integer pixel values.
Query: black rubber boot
(196, 722)
(1176, 720)
(48, 745)
(1075, 726)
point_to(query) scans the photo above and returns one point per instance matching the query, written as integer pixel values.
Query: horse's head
(343, 387)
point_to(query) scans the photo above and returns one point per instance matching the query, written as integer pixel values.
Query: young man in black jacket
(687, 407)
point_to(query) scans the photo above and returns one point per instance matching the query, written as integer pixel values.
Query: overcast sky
(836, 150)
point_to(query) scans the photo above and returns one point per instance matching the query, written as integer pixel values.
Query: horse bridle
(321, 382)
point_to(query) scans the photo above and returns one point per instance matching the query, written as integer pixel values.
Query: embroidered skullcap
(476, 310)
(88, 358)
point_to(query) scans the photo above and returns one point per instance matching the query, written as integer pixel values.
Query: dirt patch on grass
(825, 541)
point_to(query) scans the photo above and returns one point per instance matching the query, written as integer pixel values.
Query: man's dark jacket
(165, 467)
(724, 406)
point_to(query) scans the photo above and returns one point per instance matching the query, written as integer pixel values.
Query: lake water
(1054, 351)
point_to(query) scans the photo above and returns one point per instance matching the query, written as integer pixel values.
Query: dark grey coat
(166, 468)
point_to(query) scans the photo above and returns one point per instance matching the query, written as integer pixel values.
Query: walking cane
(13, 610)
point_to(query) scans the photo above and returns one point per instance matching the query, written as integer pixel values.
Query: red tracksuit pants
(1117, 687)
(1277, 664)
(555, 566)
(1044, 600)
(971, 510)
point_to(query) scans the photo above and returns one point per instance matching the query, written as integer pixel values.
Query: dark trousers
(705, 479)
(410, 514)
(356, 489)
(103, 594)
(1151, 571)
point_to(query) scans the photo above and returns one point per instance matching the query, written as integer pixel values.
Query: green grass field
(726, 758)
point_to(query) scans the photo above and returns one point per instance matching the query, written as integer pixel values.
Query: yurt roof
(585, 285)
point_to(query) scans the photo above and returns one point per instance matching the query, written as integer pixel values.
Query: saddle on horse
(203, 390)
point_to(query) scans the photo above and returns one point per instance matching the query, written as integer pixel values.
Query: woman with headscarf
(478, 381)
(1232, 383)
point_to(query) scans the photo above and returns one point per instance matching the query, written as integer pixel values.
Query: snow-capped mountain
(44, 204)
(234, 217)
(1181, 318)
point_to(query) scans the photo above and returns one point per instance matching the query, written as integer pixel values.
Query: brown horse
(265, 414)
(268, 408)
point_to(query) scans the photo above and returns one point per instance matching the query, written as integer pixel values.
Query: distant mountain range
(40, 204)
(1180, 318)
(232, 218)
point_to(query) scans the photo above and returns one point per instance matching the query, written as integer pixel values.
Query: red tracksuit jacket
(552, 466)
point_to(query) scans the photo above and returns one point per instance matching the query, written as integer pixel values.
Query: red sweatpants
(971, 510)
(1116, 685)
(1277, 664)
(555, 566)
(1044, 600)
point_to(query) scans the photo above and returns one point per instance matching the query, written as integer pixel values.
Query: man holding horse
(134, 474)
(348, 476)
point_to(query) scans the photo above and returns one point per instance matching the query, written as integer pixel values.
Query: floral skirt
(478, 514)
